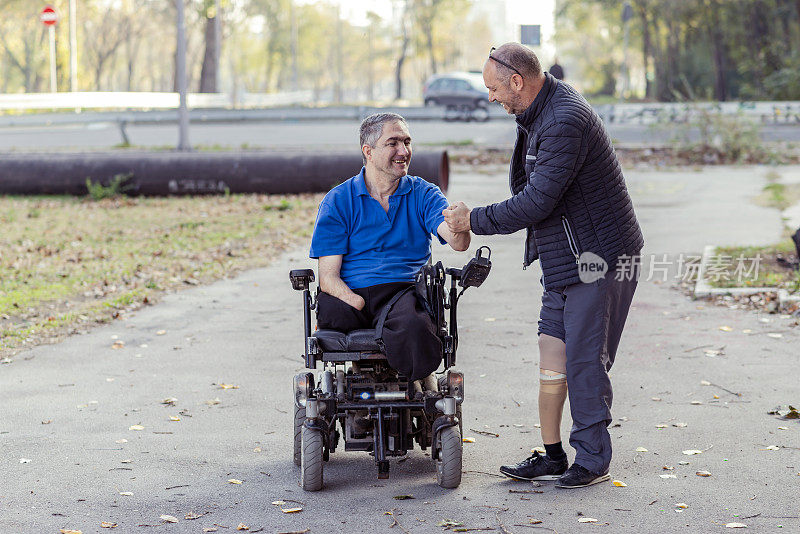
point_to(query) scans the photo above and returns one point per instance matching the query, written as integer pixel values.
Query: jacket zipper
(570, 239)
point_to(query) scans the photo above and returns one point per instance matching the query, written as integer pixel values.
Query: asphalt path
(310, 135)
(72, 457)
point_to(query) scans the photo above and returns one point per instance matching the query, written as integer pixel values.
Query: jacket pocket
(573, 243)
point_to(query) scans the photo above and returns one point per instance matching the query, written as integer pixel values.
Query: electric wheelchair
(379, 410)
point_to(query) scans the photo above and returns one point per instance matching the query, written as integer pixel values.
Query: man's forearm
(460, 241)
(335, 286)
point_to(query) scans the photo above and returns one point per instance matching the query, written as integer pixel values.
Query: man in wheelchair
(382, 329)
(372, 235)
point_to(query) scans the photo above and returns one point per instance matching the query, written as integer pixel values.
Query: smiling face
(391, 154)
(505, 91)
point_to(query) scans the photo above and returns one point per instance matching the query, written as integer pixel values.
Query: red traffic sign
(48, 16)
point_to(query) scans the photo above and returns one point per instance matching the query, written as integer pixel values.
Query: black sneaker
(536, 467)
(578, 476)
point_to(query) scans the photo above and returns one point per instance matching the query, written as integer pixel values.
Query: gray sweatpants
(589, 318)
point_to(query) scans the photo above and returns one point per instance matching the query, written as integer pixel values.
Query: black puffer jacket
(567, 187)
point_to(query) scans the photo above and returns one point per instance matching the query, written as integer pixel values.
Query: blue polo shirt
(378, 246)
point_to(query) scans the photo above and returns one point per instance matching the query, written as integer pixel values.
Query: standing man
(569, 193)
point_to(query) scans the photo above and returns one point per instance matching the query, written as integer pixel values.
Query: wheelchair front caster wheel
(448, 464)
(311, 459)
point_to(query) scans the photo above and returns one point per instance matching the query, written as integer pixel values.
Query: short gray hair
(520, 57)
(372, 127)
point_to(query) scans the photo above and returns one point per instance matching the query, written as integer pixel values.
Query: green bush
(117, 187)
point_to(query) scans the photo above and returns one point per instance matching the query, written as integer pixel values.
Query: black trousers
(409, 335)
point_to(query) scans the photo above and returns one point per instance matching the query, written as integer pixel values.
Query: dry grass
(67, 263)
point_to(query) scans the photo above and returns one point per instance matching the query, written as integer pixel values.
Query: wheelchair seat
(354, 341)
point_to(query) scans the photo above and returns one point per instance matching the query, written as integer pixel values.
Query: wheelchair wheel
(311, 459)
(299, 417)
(448, 465)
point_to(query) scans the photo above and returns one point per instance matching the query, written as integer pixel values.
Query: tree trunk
(208, 74)
(647, 51)
(720, 77)
(398, 72)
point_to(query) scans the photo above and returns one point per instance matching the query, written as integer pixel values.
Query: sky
(517, 12)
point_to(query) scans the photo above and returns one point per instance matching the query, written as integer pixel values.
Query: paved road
(309, 136)
(246, 332)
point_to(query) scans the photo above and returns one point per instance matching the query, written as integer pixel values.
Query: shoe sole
(541, 477)
(597, 480)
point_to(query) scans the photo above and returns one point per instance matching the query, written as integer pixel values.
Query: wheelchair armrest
(301, 278)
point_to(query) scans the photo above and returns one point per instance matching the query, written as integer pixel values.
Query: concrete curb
(703, 289)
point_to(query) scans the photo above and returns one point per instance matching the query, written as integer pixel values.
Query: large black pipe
(188, 173)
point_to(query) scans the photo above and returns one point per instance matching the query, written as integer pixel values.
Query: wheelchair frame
(344, 395)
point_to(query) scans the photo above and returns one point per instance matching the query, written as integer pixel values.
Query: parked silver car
(459, 90)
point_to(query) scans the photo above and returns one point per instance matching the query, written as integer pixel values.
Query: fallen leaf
(228, 386)
(291, 510)
(716, 396)
(681, 505)
(174, 418)
(107, 524)
(70, 531)
(696, 402)
(161, 332)
(703, 474)
(170, 401)
(191, 516)
(447, 523)
(783, 428)
(661, 426)
(683, 462)
(735, 525)
(587, 520)
(278, 503)
(257, 449)
(169, 518)
(690, 452)
(771, 448)
(242, 526)
(403, 497)
(711, 353)
(619, 483)
(212, 402)
(705, 383)
(468, 440)
(47, 422)
(118, 344)
(234, 481)
(136, 427)
(126, 493)
(540, 450)
(726, 328)
(668, 468)
(668, 476)
(641, 449)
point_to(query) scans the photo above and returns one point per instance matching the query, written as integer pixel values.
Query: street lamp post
(180, 68)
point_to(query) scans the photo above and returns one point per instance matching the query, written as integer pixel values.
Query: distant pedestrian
(569, 193)
(557, 70)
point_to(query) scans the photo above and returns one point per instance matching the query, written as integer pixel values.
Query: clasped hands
(457, 217)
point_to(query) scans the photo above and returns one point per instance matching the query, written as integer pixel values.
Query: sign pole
(53, 82)
(73, 46)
